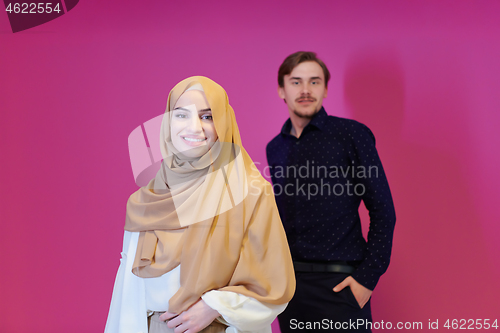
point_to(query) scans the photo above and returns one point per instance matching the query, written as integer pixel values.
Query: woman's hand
(193, 320)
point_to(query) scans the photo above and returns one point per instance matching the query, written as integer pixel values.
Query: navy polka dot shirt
(319, 181)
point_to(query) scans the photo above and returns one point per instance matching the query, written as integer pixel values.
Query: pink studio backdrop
(424, 76)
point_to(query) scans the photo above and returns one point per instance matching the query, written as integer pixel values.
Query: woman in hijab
(204, 248)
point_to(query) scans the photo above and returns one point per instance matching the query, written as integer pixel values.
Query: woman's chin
(194, 152)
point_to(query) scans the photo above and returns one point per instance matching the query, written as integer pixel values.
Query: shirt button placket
(296, 184)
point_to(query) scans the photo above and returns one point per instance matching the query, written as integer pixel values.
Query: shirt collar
(318, 121)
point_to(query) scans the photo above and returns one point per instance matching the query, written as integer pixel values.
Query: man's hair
(293, 60)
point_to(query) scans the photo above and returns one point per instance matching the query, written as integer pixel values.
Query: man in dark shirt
(322, 167)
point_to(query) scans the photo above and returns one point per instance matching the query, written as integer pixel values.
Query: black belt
(317, 268)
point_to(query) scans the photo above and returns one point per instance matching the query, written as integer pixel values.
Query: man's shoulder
(349, 127)
(276, 141)
(346, 123)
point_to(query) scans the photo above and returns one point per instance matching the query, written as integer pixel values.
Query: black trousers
(315, 307)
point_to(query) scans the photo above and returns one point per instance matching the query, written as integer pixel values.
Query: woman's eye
(207, 117)
(180, 115)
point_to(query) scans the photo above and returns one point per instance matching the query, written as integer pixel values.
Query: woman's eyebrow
(205, 110)
(181, 108)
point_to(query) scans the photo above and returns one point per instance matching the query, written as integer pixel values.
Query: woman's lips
(194, 141)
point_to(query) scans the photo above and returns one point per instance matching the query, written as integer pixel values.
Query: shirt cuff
(243, 313)
(366, 277)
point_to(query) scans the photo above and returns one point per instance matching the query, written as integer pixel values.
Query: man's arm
(378, 200)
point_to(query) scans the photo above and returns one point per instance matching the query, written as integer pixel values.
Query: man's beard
(304, 116)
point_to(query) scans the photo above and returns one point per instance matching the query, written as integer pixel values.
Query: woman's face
(192, 127)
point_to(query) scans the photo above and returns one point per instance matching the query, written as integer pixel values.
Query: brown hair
(293, 60)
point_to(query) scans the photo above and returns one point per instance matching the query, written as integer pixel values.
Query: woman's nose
(194, 125)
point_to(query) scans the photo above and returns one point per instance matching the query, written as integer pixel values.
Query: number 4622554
(33, 8)
(470, 324)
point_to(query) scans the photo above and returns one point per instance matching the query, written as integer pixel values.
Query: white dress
(133, 297)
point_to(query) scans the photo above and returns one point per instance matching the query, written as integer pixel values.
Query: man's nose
(306, 89)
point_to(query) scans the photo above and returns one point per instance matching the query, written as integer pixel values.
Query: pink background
(423, 75)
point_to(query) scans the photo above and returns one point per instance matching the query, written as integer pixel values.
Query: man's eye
(295, 83)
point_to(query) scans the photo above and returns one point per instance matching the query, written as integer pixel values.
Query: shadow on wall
(439, 266)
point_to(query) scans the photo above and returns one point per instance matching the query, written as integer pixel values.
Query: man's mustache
(301, 98)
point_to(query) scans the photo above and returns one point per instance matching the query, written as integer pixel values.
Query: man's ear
(281, 92)
(326, 93)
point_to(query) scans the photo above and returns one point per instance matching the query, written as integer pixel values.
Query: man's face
(304, 89)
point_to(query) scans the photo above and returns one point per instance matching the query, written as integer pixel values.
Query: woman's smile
(194, 141)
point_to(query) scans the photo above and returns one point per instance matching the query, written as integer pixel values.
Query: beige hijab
(214, 214)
